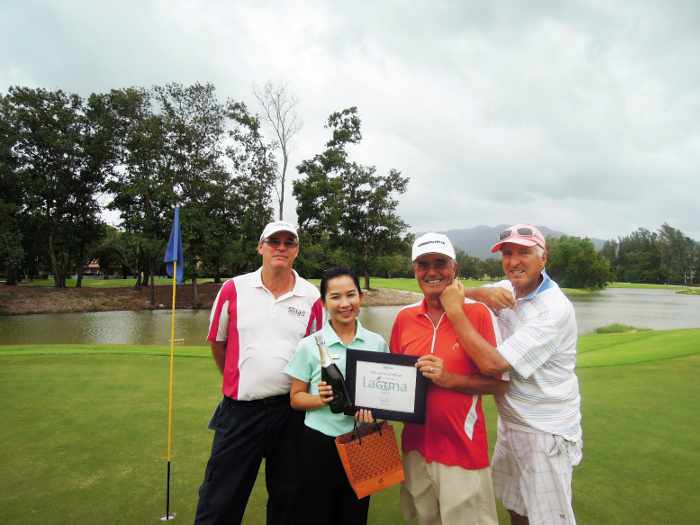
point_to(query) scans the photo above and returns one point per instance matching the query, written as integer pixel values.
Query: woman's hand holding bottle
(325, 393)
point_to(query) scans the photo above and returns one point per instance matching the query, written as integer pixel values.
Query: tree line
(663, 256)
(139, 152)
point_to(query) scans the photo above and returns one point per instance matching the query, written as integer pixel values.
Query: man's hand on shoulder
(494, 297)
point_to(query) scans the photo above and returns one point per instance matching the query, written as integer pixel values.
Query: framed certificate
(388, 384)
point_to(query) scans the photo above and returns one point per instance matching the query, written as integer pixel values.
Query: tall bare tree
(279, 108)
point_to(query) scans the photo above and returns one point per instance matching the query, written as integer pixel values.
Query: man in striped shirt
(257, 320)
(539, 429)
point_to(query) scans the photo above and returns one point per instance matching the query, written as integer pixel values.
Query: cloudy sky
(581, 116)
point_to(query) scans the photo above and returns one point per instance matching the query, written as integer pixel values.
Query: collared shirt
(261, 333)
(454, 431)
(306, 366)
(539, 343)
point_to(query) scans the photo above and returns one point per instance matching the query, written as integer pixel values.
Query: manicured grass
(84, 432)
(106, 283)
(644, 285)
(399, 283)
(577, 292)
(618, 328)
(404, 283)
(410, 284)
(637, 347)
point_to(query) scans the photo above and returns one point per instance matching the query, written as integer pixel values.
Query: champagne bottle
(332, 375)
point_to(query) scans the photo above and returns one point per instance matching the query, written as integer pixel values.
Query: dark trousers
(246, 432)
(326, 496)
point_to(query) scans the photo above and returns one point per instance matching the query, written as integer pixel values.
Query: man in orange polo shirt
(448, 479)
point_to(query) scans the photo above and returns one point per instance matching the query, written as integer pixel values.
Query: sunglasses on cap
(525, 232)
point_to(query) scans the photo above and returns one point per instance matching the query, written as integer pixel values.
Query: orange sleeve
(481, 319)
(395, 341)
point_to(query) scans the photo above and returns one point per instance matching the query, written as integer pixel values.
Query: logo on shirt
(296, 312)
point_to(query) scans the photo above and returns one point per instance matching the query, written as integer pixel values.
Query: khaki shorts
(434, 493)
(532, 474)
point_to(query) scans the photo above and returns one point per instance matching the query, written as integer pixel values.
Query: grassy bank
(410, 284)
(651, 286)
(84, 432)
(106, 283)
(398, 283)
(404, 283)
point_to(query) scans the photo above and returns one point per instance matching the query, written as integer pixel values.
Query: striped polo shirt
(539, 343)
(261, 333)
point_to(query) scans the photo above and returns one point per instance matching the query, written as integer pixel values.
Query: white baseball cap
(278, 226)
(432, 243)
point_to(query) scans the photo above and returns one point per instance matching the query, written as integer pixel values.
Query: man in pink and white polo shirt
(256, 322)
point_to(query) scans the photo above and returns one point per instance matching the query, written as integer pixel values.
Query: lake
(657, 309)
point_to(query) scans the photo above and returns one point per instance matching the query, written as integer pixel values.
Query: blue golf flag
(174, 251)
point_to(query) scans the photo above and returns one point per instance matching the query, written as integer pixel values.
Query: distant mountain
(477, 241)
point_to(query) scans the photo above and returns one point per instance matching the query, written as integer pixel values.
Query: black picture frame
(352, 358)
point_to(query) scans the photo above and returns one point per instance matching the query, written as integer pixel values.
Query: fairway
(84, 432)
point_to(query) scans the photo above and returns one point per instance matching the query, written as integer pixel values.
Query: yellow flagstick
(169, 516)
(172, 356)
(173, 254)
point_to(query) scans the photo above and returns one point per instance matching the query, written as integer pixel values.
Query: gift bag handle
(358, 434)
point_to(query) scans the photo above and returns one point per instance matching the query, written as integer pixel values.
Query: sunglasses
(525, 232)
(276, 243)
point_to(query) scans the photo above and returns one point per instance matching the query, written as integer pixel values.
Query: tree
(143, 184)
(11, 250)
(279, 109)
(345, 204)
(677, 253)
(469, 267)
(194, 127)
(609, 252)
(11, 199)
(60, 168)
(393, 265)
(491, 268)
(638, 258)
(254, 169)
(574, 263)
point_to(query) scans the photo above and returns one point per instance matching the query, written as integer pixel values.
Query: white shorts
(532, 474)
(434, 494)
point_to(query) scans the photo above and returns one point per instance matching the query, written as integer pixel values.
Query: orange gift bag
(371, 458)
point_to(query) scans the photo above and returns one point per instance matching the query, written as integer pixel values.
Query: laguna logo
(296, 312)
(385, 385)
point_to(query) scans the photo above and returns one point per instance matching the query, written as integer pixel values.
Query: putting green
(84, 432)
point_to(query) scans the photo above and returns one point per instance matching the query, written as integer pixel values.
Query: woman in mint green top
(326, 495)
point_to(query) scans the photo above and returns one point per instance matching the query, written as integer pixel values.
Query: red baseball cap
(523, 234)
